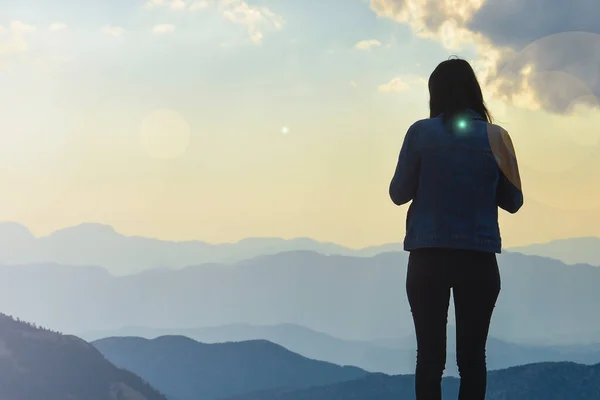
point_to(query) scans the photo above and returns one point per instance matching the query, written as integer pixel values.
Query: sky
(219, 120)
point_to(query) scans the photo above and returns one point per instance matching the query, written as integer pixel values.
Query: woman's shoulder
(494, 129)
(499, 138)
(504, 153)
(425, 124)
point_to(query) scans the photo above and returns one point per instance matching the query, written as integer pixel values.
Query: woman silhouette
(457, 168)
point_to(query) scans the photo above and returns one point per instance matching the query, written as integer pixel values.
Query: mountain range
(584, 250)
(93, 244)
(393, 356)
(544, 381)
(353, 298)
(189, 370)
(37, 364)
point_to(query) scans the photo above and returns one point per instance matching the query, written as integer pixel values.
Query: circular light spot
(552, 74)
(554, 85)
(165, 134)
(285, 130)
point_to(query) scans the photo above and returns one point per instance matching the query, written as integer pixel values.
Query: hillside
(544, 381)
(39, 364)
(189, 370)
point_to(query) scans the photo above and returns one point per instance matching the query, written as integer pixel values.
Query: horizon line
(114, 230)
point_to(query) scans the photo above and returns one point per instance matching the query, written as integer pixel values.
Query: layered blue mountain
(391, 356)
(543, 301)
(544, 381)
(260, 370)
(189, 370)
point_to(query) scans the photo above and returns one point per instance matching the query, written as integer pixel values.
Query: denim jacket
(456, 181)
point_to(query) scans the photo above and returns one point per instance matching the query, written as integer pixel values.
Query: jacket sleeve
(404, 183)
(509, 194)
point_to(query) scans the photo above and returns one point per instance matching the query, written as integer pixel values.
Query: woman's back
(453, 177)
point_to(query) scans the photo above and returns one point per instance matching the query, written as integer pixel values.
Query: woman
(457, 168)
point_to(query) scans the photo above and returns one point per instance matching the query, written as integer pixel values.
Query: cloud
(395, 85)
(521, 22)
(163, 29)
(401, 84)
(179, 5)
(561, 70)
(172, 4)
(199, 5)
(367, 44)
(257, 20)
(13, 38)
(57, 27)
(557, 41)
(528, 52)
(114, 31)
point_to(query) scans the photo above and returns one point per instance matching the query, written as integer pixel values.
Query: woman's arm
(404, 183)
(509, 192)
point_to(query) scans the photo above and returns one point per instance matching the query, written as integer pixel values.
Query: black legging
(475, 282)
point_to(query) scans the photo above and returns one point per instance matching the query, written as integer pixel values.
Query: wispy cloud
(13, 38)
(163, 29)
(179, 5)
(401, 84)
(395, 85)
(257, 20)
(172, 4)
(57, 27)
(114, 31)
(367, 44)
(199, 5)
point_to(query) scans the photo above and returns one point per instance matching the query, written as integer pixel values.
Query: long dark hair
(453, 88)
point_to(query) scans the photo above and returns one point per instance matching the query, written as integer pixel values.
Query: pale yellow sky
(175, 136)
(304, 183)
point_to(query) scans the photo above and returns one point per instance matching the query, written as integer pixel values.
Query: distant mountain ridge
(541, 299)
(389, 356)
(101, 245)
(189, 370)
(40, 364)
(584, 250)
(301, 340)
(544, 381)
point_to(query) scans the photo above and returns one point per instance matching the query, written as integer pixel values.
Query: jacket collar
(472, 112)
